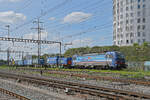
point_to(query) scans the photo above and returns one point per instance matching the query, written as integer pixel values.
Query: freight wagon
(59, 61)
(111, 60)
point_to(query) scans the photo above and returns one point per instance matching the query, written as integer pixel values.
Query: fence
(137, 66)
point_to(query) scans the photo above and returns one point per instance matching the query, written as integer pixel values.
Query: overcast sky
(82, 22)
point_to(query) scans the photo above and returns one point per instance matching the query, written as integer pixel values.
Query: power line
(78, 24)
(88, 30)
(26, 4)
(87, 7)
(64, 25)
(44, 14)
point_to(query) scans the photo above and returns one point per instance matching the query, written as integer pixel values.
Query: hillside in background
(132, 53)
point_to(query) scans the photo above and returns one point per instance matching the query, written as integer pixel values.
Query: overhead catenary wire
(95, 28)
(84, 8)
(26, 5)
(73, 34)
(62, 25)
(43, 14)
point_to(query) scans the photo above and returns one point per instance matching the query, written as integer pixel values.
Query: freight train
(109, 60)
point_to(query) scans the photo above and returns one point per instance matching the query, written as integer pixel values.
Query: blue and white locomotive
(113, 60)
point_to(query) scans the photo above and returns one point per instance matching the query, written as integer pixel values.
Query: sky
(77, 22)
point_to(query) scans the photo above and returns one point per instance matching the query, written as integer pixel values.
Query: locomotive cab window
(120, 56)
(109, 56)
(74, 58)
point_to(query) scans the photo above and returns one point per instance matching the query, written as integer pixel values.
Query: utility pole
(8, 54)
(22, 57)
(39, 37)
(67, 44)
(8, 28)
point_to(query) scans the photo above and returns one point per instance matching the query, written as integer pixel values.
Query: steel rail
(73, 88)
(13, 94)
(106, 78)
(52, 82)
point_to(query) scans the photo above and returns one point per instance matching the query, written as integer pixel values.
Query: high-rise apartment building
(131, 22)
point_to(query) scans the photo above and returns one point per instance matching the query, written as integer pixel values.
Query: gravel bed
(6, 97)
(107, 84)
(34, 93)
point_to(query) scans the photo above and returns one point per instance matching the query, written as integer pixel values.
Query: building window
(127, 41)
(139, 20)
(138, 28)
(121, 35)
(121, 16)
(118, 4)
(127, 15)
(127, 8)
(139, 0)
(131, 21)
(143, 27)
(131, 41)
(131, 35)
(121, 3)
(121, 10)
(144, 40)
(121, 23)
(131, 7)
(144, 6)
(118, 42)
(131, 14)
(139, 6)
(127, 28)
(127, 1)
(115, 43)
(139, 34)
(121, 41)
(127, 21)
(131, 27)
(138, 13)
(144, 20)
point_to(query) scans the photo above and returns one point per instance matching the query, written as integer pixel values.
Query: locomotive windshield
(120, 56)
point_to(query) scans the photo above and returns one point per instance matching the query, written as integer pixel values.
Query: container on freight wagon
(52, 60)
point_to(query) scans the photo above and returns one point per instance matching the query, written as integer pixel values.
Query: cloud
(11, 17)
(76, 17)
(10, 0)
(52, 18)
(44, 35)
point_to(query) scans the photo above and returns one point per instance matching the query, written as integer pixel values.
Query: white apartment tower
(131, 22)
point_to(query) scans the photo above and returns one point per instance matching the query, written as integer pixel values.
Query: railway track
(106, 78)
(17, 96)
(109, 93)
